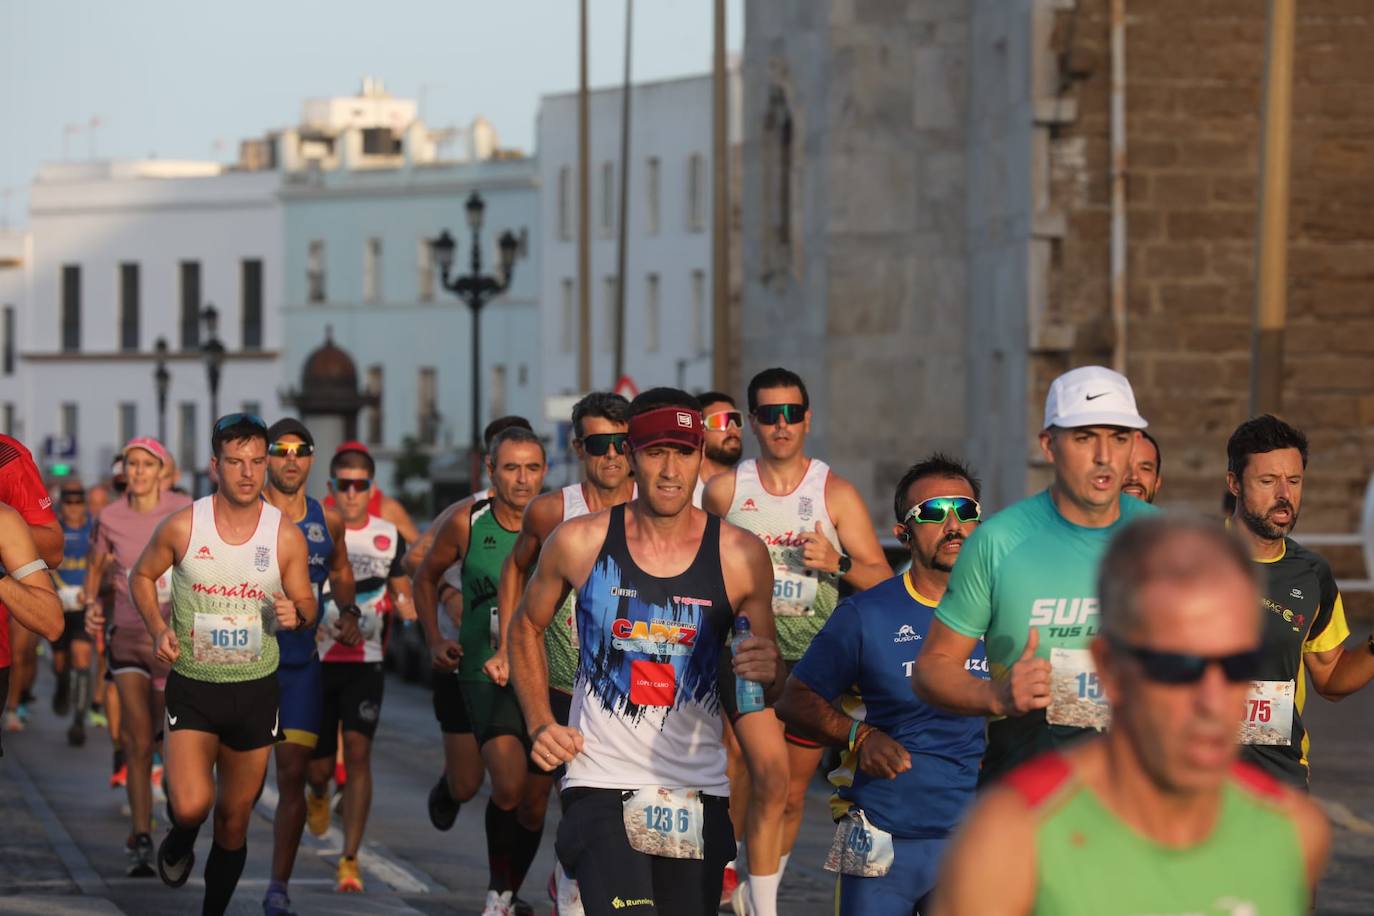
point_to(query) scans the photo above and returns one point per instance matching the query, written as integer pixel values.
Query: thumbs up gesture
(1025, 687)
(818, 553)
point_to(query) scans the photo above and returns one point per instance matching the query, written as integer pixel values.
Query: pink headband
(149, 445)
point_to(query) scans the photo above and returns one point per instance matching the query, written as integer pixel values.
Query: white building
(668, 262)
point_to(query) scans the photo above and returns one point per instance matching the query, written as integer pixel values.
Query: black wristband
(352, 611)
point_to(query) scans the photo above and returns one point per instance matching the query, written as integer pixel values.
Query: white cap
(1092, 396)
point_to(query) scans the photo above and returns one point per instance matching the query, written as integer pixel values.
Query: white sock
(782, 863)
(763, 894)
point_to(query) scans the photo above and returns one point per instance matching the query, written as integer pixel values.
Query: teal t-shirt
(1025, 567)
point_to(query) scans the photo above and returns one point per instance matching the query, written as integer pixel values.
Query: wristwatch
(351, 610)
(846, 564)
(1370, 644)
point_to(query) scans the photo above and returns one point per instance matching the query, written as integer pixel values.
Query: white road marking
(1342, 816)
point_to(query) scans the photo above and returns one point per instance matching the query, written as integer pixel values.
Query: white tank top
(222, 599)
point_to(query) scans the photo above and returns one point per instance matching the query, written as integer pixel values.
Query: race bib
(859, 849)
(164, 589)
(1076, 695)
(664, 822)
(227, 639)
(794, 594)
(71, 597)
(1268, 715)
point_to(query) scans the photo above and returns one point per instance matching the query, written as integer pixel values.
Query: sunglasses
(722, 420)
(770, 414)
(290, 449)
(599, 444)
(234, 419)
(935, 510)
(1183, 668)
(358, 485)
(73, 498)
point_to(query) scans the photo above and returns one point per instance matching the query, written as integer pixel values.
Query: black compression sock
(526, 847)
(180, 840)
(81, 696)
(222, 870)
(502, 833)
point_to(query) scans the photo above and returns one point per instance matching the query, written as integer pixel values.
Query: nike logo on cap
(1094, 397)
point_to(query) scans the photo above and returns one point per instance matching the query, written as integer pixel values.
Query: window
(67, 420)
(128, 310)
(190, 305)
(71, 307)
(565, 232)
(128, 420)
(427, 400)
(496, 400)
(696, 193)
(608, 292)
(380, 141)
(374, 414)
(569, 335)
(9, 420)
(607, 197)
(699, 311)
(314, 272)
(424, 266)
(651, 313)
(9, 340)
(250, 274)
(372, 270)
(651, 196)
(186, 435)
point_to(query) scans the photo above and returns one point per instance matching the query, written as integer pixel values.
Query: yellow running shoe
(349, 881)
(316, 812)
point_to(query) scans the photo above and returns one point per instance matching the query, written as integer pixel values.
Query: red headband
(673, 425)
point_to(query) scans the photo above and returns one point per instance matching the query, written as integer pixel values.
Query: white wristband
(29, 569)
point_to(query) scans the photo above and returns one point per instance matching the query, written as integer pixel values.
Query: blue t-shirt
(298, 646)
(869, 646)
(76, 551)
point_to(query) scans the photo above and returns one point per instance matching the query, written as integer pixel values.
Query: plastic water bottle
(748, 694)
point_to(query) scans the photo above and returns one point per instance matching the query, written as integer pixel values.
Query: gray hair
(513, 434)
(1177, 547)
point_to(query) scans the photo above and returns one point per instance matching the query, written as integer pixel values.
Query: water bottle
(748, 694)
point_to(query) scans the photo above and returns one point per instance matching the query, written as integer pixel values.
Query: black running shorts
(243, 714)
(449, 707)
(353, 699)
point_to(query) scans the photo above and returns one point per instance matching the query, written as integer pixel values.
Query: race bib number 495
(1076, 695)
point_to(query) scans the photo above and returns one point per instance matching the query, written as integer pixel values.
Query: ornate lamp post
(212, 353)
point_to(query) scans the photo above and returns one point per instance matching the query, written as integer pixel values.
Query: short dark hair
(512, 434)
(777, 377)
(655, 398)
(355, 460)
(1159, 452)
(604, 404)
(240, 431)
(500, 425)
(715, 397)
(937, 465)
(1265, 433)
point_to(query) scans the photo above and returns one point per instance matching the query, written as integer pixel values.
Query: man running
(1304, 618)
(1026, 581)
(1146, 471)
(909, 771)
(126, 527)
(238, 577)
(659, 583)
(1157, 816)
(290, 453)
(351, 648)
(818, 532)
(26, 586)
(379, 504)
(721, 452)
(71, 652)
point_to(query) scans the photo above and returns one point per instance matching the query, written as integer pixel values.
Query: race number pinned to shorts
(859, 849)
(1076, 695)
(71, 597)
(227, 639)
(794, 593)
(664, 822)
(1268, 715)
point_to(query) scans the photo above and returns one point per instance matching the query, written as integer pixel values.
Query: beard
(727, 455)
(1260, 523)
(282, 487)
(938, 564)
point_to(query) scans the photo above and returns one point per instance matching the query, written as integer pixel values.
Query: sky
(188, 80)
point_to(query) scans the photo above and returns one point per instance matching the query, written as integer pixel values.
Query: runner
(379, 504)
(351, 647)
(71, 652)
(646, 824)
(25, 585)
(1146, 471)
(105, 698)
(238, 577)
(723, 447)
(1304, 619)
(126, 527)
(1026, 581)
(600, 424)
(818, 532)
(1158, 816)
(289, 457)
(483, 537)
(909, 771)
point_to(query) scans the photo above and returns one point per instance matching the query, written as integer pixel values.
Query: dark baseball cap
(290, 426)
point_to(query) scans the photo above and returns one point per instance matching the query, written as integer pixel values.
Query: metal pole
(1271, 267)
(720, 212)
(1118, 132)
(475, 449)
(584, 260)
(624, 199)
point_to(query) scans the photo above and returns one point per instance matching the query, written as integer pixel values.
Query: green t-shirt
(1028, 566)
(488, 546)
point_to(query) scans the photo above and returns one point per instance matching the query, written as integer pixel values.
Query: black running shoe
(139, 849)
(76, 735)
(174, 874)
(520, 908)
(61, 700)
(443, 810)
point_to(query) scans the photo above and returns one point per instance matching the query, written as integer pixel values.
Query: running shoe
(174, 874)
(61, 700)
(727, 888)
(563, 891)
(76, 735)
(157, 770)
(443, 810)
(340, 774)
(519, 907)
(316, 812)
(739, 900)
(12, 721)
(24, 711)
(95, 718)
(139, 850)
(348, 880)
(276, 903)
(497, 904)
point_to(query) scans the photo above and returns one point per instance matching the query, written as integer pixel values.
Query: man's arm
(541, 517)
(942, 680)
(32, 600)
(394, 512)
(449, 546)
(172, 534)
(749, 582)
(1000, 829)
(50, 542)
(341, 584)
(416, 554)
(856, 535)
(293, 563)
(719, 493)
(398, 584)
(1335, 673)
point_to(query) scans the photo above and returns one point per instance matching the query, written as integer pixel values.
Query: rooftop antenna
(92, 126)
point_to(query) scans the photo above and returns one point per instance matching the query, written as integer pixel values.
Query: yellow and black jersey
(1302, 613)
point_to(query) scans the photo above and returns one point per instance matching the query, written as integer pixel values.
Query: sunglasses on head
(599, 444)
(357, 485)
(722, 420)
(935, 510)
(1185, 668)
(234, 419)
(770, 414)
(291, 449)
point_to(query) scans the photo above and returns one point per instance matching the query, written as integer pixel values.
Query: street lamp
(212, 352)
(476, 290)
(162, 379)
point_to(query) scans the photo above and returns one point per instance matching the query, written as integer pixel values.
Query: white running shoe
(569, 899)
(739, 900)
(497, 904)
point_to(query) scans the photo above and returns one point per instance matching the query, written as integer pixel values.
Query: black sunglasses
(599, 444)
(769, 414)
(295, 449)
(1186, 668)
(73, 498)
(358, 485)
(234, 419)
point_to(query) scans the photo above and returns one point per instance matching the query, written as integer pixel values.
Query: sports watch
(847, 563)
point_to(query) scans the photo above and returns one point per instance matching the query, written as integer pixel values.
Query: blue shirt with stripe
(298, 646)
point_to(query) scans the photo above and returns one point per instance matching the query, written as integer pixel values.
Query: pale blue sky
(176, 77)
